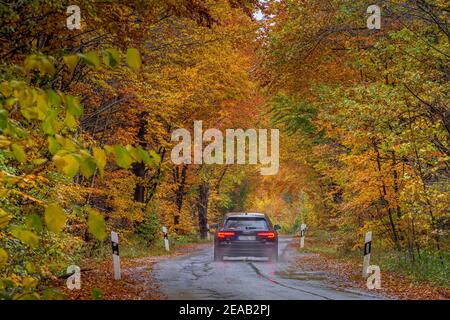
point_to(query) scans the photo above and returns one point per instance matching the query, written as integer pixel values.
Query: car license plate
(247, 238)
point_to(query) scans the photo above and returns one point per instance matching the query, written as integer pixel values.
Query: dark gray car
(246, 235)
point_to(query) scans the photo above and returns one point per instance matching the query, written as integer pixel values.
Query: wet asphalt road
(196, 276)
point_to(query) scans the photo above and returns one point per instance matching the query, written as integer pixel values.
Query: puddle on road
(302, 275)
(321, 280)
(213, 294)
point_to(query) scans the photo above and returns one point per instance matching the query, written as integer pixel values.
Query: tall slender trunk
(421, 174)
(156, 178)
(139, 189)
(139, 167)
(384, 201)
(396, 184)
(180, 180)
(202, 205)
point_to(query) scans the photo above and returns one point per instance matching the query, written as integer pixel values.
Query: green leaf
(29, 282)
(55, 217)
(34, 221)
(74, 106)
(42, 105)
(66, 143)
(88, 166)
(5, 89)
(71, 61)
(39, 161)
(5, 217)
(91, 58)
(111, 57)
(25, 236)
(145, 156)
(155, 157)
(100, 158)
(30, 63)
(70, 121)
(30, 267)
(96, 224)
(47, 67)
(109, 149)
(53, 145)
(39, 62)
(16, 131)
(49, 123)
(67, 164)
(27, 296)
(96, 294)
(77, 211)
(3, 119)
(133, 58)
(123, 158)
(134, 153)
(19, 153)
(54, 98)
(3, 257)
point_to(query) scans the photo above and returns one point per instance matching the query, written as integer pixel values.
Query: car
(246, 234)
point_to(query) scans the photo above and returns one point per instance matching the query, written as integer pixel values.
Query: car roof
(245, 214)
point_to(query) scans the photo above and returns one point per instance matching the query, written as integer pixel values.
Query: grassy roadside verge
(137, 260)
(426, 279)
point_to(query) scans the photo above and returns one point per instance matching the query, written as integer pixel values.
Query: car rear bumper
(247, 249)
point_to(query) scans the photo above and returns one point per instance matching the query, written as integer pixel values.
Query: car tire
(217, 254)
(274, 255)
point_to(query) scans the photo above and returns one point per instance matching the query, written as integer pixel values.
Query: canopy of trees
(86, 118)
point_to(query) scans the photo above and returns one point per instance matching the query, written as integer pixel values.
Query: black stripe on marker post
(367, 248)
(115, 248)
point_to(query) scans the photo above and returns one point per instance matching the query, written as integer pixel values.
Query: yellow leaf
(5, 90)
(88, 166)
(67, 164)
(29, 282)
(3, 257)
(96, 224)
(25, 236)
(71, 61)
(111, 57)
(100, 158)
(92, 59)
(19, 153)
(5, 217)
(55, 217)
(133, 58)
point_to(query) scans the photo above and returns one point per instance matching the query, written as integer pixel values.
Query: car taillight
(268, 235)
(225, 234)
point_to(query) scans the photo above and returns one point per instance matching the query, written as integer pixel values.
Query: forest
(87, 116)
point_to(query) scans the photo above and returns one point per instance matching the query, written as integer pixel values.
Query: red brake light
(268, 235)
(225, 234)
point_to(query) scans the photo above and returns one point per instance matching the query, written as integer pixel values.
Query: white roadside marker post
(302, 235)
(115, 253)
(208, 235)
(367, 250)
(166, 238)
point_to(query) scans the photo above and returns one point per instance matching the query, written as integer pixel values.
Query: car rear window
(239, 223)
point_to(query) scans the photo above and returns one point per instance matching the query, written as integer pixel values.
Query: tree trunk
(139, 168)
(179, 192)
(384, 201)
(203, 193)
(139, 189)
